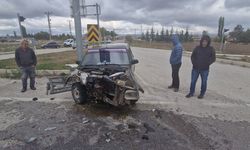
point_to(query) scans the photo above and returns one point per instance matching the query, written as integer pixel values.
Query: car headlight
(121, 83)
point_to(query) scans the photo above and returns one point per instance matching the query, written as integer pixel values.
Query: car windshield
(105, 57)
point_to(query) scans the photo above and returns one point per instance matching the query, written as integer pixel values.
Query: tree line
(165, 35)
(42, 35)
(239, 35)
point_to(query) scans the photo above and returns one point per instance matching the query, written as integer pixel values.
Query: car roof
(116, 45)
(111, 46)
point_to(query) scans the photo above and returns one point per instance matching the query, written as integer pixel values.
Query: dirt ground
(162, 119)
(33, 120)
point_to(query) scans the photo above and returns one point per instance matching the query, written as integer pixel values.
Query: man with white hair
(26, 61)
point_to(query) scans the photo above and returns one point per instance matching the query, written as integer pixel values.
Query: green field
(8, 47)
(53, 61)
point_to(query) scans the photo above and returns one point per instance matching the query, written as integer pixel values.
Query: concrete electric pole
(78, 29)
(21, 19)
(70, 30)
(49, 24)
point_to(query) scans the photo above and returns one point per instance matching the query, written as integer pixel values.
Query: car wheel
(133, 102)
(79, 93)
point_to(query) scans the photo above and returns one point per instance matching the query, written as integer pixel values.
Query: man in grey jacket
(26, 61)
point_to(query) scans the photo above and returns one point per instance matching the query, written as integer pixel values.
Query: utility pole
(49, 24)
(78, 29)
(18, 16)
(97, 16)
(70, 30)
(22, 28)
(141, 29)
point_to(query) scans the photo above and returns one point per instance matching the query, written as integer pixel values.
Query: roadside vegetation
(53, 61)
(8, 47)
(229, 48)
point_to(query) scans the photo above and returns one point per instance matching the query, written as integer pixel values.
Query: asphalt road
(38, 52)
(228, 85)
(162, 119)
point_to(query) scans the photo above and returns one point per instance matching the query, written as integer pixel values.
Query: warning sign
(93, 33)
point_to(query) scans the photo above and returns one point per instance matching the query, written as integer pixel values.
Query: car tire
(133, 103)
(79, 93)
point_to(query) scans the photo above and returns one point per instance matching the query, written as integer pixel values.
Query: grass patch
(53, 61)
(13, 74)
(8, 47)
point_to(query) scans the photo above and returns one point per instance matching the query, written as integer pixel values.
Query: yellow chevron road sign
(93, 33)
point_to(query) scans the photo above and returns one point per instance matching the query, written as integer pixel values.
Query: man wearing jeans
(26, 61)
(202, 57)
(175, 61)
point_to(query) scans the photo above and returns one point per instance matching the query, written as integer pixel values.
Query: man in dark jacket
(26, 61)
(202, 57)
(175, 61)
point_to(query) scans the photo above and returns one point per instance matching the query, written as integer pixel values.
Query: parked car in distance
(51, 44)
(68, 43)
(84, 42)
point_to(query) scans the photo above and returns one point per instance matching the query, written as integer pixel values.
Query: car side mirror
(78, 62)
(134, 61)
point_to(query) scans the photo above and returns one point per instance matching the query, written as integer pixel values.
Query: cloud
(33, 8)
(237, 3)
(128, 15)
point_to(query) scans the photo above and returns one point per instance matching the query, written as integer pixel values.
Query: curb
(12, 72)
(6, 53)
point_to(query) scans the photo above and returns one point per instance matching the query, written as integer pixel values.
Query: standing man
(202, 57)
(175, 61)
(26, 61)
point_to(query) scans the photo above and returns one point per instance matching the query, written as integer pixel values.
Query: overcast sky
(128, 16)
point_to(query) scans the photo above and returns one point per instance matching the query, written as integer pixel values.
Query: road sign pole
(78, 29)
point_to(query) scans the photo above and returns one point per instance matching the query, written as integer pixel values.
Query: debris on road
(148, 128)
(108, 140)
(35, 99)
(50, 128)
(145, 137)
(13, 82)
(132, 122)
(52, 98)
(32, 139)
(85, 120)
(157, 114)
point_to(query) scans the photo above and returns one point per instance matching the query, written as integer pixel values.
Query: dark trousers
(175, 75)
(195, 75)
(28, 72)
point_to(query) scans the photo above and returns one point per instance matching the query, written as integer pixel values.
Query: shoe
(32, 88)
(23, 90)
(189, 95)
(200, 96)
(176, 90)
(170, 87)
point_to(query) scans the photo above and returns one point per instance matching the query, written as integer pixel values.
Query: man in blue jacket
(202, 57)
(175, 61)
